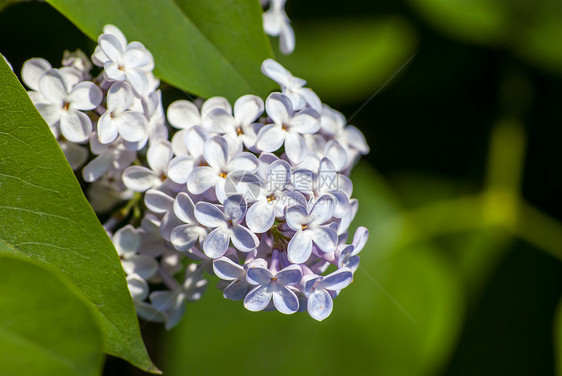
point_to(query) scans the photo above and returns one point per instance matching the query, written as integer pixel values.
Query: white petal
(306, 121)
(126, 241)
(260, 217)
(114, 30)
(159, 155)
(85, 96)
(270, 138)
(216, 152)
(295, 147)
(248, 108)
(97, 167)
(183, 237)
(258, 298)
(158, 201)
(325, 238)
(184, 208)
(139, 178)
(52, 85)
(75, 126)
(111, 47)
(296, 217)
(76, 155)
(111, 71)
(183, 114)
(279, 108)
(323, 210)
(286, 39)
(227, 269)
(32, 71)
(107, 129)
(142, 265)
(300, 247)
(138, 80)
(285, 301)
(216, 243)
(131, 126)
(201, 179)
(180, 168)
(277, 72)
(243, 239)
(243, 162)
(209, 215)
(214, 102)
(119, 97)
(51, 113)
(320, 305)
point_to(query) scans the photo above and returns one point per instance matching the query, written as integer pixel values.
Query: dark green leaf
(206, 47)
(349, 62)
(45, 216)
(45, 327)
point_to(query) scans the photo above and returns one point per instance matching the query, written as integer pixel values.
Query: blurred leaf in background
(46, 328)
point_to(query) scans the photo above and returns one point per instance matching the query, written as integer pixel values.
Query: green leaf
(349, 62)
(206, 47)
(480, 21)
(45, 327)
(45, 216)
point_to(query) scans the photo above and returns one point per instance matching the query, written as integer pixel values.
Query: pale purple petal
(295, 147)
(259, 275)
(279, 108)
(258, 298)
(216, 243)
(237, 290)
(300, 247)
(270, 138)
(50, 112)
(285, 301)
(335, 281)
(260, 217)
(323, 210)
(76, 155)
(139, 178)
(320, 305)
(243, 239)
(158, 201)
(227, 269)
(179, 169)
(235, 208)
(126, 241)
(324, 237)
(291, 275)
(306, 121)
(360, 239)
(209, 215)
(119, 97)
(97, 167)
(184, 208)
(296, 217)
(183, 237)
(142, 265)
(243, 162)
(159, 155)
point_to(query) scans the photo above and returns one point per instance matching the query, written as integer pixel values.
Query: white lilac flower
(119, 119)
(184, 236)
(140, 179)
(276, 23)
(62, 104)
(109, 156)
(235, 274)
(124, 62)
(220, 164)
(276, 286)
(241, 126)
(309, 227)
(172, 303)
(348, 256)
(139, 289)
(291, 86)
(287, 128)
(320, 289)
(127, 242)
(226, 225)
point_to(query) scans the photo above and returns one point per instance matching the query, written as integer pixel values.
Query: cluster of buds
(256, 193)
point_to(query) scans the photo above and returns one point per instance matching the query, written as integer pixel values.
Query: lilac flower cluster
(256, 193)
